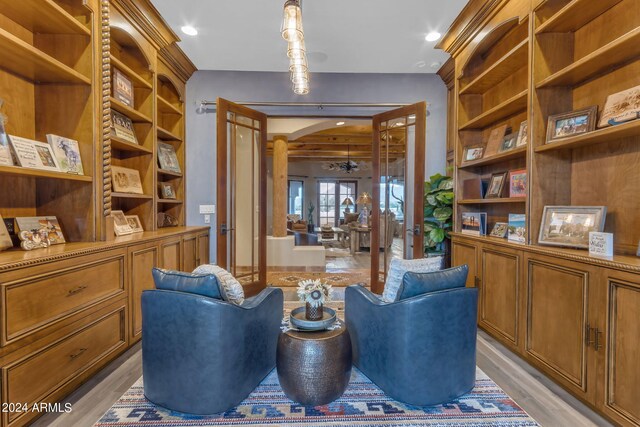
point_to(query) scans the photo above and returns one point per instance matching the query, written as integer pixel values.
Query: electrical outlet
(207, 219)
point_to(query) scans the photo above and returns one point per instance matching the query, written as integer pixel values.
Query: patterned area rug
(291, 278)
(363, 404)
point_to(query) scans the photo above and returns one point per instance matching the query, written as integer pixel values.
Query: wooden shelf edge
(137, 78)
(170, 201)
(133, 114)
(559, 23)
(168, 107)
(603, 135)
(167, 135)
(507, 155)
(53, 19)
(170, 173)
(36, 173)
(500, 111)
(121, 144)
(492, 201)
(131, 196)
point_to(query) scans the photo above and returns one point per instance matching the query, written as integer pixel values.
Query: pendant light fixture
(293, 33)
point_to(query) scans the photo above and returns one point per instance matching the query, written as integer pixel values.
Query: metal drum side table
(314, 367)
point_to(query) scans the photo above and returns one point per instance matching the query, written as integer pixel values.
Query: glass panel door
(296, 198)
(327, 203)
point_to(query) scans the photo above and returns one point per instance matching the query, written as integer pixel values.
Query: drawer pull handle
(597, 344)
(76, 290)
(77, 354)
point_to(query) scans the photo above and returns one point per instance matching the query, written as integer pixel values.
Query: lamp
(293, 33)
(364, 199)
(347, 202)
(292, 21)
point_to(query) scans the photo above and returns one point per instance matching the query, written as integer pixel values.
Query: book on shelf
(474, 223)
(122, 88)
(496, 137)
(125, 180)
(6, 158)
(33, 154)
(122, 127)
(517, 228)
(67, 152)
(167, 158)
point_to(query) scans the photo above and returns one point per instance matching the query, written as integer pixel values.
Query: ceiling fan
(349, 166)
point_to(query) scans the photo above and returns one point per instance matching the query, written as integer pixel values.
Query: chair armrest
(359, 292)
(254, 301)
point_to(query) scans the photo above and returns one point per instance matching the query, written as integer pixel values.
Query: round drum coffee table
(314, 367)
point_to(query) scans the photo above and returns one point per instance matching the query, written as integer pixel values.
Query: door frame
(223, 108)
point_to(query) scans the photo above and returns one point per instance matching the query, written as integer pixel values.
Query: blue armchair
(420, 349)
(200, 354)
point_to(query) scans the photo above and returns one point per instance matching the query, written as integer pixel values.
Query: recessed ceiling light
(339, 123)
(436, 65)
(433, 36)
(189, 30)
(421, 64)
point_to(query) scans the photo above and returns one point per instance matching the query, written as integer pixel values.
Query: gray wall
(275, 87)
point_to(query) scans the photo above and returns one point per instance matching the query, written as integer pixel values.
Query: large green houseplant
(438, 214)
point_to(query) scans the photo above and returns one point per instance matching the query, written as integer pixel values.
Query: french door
(241, 194)
(397, 217)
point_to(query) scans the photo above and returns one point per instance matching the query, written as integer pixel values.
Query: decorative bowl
(298, 320)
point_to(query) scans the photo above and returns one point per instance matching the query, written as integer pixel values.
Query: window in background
(331, 194)
(347, 189)
(296, 198)
(396, 196)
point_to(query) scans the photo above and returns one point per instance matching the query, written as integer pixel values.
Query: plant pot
(311, 228)
(314, 313)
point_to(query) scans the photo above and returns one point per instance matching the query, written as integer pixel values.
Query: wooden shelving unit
(516, 153)
(44, 17)
(135, 115)
(170, 201)
(19, 171)
(167, 135)
(600, 136)
(496, 201)
(511, 106)
(132, 196)
(575, 15)
(120, 144)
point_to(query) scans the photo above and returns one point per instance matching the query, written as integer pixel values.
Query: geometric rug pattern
(292, 278)
(363, 404)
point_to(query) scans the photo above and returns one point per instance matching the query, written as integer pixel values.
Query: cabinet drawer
(37, 300)
(33, 378)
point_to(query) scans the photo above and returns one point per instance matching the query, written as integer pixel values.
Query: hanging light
(293, 33)
(292, 22)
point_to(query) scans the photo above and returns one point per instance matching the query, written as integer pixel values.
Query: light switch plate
(207, 209)
(207, 219)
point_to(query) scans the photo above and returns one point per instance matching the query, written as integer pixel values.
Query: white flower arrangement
(314, 292)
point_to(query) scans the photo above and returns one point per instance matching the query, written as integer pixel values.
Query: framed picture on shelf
(134, 223)
(122, 127)
(508, 143)
(122, 88)
(167, 158)
(496, 185)
(6, 158)
(571, 124)
(495, 140)
(570, 225)
(474, 223)
(523, 134)
(67, 152)
(518, 183)
(166, 190)
(621, 107)
(125, 180)
(33, 154)
(472, 153)
(166, 220)
(517, 229)
(121, 226)
(42, 225)
(500, 230)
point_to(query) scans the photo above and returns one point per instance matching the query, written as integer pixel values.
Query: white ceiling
(352, 36)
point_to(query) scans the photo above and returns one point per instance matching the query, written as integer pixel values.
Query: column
(280, 185)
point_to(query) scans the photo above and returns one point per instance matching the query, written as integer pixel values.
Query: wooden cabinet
(189, 252)
(142, 259)
(203, 248)
(171, 251)
(466, 253)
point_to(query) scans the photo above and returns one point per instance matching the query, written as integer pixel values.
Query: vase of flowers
(314, 293)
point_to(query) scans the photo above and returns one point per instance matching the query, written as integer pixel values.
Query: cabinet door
(142, 259)
(558, 321)
(203, 248)
(463, 252)
(171, 251)
(619, 349)
(189, 252)
(499, 292)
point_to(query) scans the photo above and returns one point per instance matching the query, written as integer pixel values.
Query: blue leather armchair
(202, 355)
(420, 350)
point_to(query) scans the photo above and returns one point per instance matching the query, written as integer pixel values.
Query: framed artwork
(472, 153)
(571, 124)
(518, 183)
(166, 220)
(523, 134)
(134, 223)
(496, 185)
(5, 237)
(570, 225)
(122, 127)
(122, 88)
(67, 152)
(500, 230)
(621, 107)
(517, 228)
(121, 225)
(33, 154)
(167, 158)
(166, 190)
(495, 140)
(125, 180)
(35, 231)
(5, 150)
(508, 143)
(474, 223)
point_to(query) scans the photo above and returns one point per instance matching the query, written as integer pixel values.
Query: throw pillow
(230, 288)
(414, 284)
(398, 267)
(200, 284)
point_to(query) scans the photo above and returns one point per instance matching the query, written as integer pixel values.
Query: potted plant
(310, 225)
(438, 216)
(314, 294)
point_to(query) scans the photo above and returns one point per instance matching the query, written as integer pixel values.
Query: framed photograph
(474, 223)
(125, 180)
(523, 134)
(496, 185)
(134, 223)
(571, 124)
(621, 107)
(570, 225)
(5, 237)
(500, 230)
(33, 154)
(495, 140)
(166, 190)
(5, 150)
(122, 87)
(508, 143)
(67, 153)
(517, 229)
(518, 183)
(43, 226)
(472, 153)
(167, 158)
(121, 226)
(122, 127)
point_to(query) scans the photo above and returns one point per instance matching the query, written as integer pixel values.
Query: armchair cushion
(230, 289)
(414, 284)
(399, 267)
(200, 284)
(351, 217)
